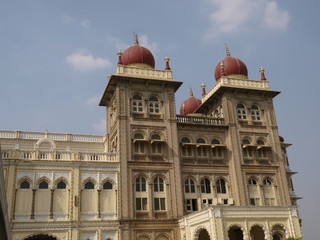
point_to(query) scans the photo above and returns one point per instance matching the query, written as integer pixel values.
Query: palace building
(218, 170)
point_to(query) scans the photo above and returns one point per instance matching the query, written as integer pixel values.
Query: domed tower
(190, 105)
(137, 55)
(230, 66)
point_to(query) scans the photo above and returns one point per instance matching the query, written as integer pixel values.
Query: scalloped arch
(198, 231)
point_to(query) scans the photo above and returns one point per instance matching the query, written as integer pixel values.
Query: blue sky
(56, 55)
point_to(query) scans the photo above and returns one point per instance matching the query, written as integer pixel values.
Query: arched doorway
(278, 232)
(41, 237)
(203, 235)
(257, 233)
(235, 233)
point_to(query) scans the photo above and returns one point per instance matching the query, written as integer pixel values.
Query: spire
(263, 77)
(136, 41)
(167, 60)
(191, 92)
(227, 51)
(119, 57)
(203, 86)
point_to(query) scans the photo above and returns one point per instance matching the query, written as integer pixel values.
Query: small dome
(137, 54)
(190, 105)
(230, 66)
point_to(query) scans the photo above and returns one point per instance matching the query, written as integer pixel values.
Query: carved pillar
(14, 204)
(33, 203)
(99, 201)
(51, 204)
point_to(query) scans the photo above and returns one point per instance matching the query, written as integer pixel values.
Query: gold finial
(227, 51)
(263, 76)
(261, 69)
(119, 53)
(191, 92)
(203, 86)
(136, 41)
(167, 60)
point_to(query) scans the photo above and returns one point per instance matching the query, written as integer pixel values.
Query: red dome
(190, 105)
(230, 66)
(138, 55)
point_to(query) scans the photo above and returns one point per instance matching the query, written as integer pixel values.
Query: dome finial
(227, 51)
(119, 57)
(203, 86)
(191, 92)
(263, 77)
(136, 41)
(167, 60)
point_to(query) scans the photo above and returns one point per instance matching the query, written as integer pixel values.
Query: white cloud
(275, 18)
(67, 19)
(83, 61)
(232, 16)
(93, 101)
(85, 23)
(100, 126)
(144, 41)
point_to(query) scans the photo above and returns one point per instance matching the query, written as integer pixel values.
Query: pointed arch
(201, 233)
(22, 180)
(41, 183)
(87, 180)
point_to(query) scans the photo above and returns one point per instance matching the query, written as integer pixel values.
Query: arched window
(252, 181)
(139, 144)
(217, 152)
(61, 185)
(247, 150)
(221, 186)
(154, 105)
(255, 113)
(137, 104)
(25, 185)
(189, 186)
(156, 146)
(158, 184)
(215, 141)
(241, 112)
(138, 136)
(107, 185)
(201, 141)
(89, 185)
(186, 150)
(201, 150)
(262, 152)
(205, 186)
(43, 185)
(267, 182)
(140, 184)
(185, 140)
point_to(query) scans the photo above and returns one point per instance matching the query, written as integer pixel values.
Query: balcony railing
(200, 120)
(54, 136)
(58, 155)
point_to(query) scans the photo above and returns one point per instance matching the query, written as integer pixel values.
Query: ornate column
(51, 204)
(99, 201)
(33, 203)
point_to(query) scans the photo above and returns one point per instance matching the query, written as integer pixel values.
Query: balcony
(199, 120)
(33, 155)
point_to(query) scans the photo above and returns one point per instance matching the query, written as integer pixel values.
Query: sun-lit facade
(218, 170)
